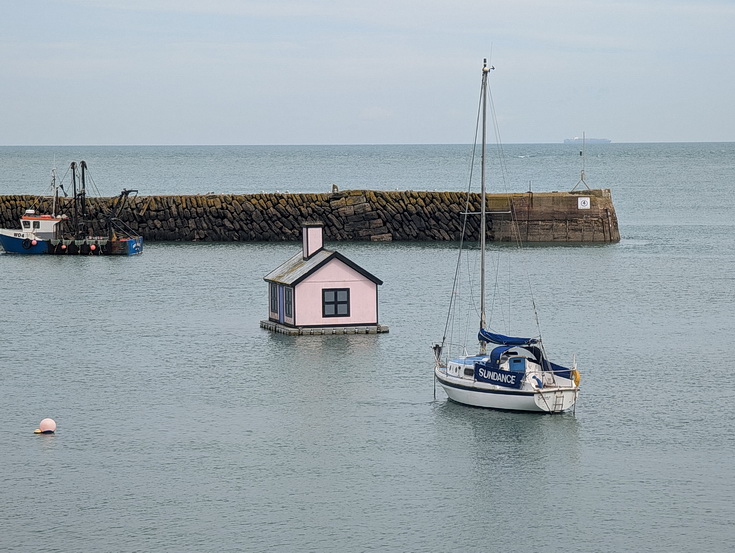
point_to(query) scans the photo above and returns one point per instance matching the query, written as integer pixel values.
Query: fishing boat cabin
(320, 291)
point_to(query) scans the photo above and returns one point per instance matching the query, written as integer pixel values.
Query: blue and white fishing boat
(63, 234)
(507, 372)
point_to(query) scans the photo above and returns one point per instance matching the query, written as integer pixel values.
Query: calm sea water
(182, 426)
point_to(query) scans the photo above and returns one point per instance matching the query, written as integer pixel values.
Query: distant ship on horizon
(583, 140)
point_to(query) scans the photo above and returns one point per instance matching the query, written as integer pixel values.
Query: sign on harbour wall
(583, 203)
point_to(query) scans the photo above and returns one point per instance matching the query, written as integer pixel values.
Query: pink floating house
(320, 291)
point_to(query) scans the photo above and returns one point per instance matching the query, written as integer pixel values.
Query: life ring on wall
(26, 244)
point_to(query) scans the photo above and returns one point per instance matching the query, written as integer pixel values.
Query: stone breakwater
(352, 215)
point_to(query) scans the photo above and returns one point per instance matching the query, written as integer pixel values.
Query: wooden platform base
(301, 331)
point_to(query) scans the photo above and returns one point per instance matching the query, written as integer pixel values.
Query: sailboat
(507, 372)
(62, 234)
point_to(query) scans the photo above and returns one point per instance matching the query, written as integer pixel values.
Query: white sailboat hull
(553, 399)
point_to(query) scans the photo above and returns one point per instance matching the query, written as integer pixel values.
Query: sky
(273, 72)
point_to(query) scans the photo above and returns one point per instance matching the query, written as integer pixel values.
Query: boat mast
(483, 198)
(82, 227)
(55, 188)
(73, 168)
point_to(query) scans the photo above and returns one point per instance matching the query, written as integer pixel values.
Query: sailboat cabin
(320, 291)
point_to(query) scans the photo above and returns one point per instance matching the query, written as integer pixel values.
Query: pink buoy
(93, 247)
(34, 242)
(47, 426)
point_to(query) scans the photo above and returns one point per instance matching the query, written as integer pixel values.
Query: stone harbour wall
(352, 215)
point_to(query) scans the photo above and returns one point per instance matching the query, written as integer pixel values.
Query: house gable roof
(296, 269)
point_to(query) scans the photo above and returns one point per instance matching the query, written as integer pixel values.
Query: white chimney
(312, 237)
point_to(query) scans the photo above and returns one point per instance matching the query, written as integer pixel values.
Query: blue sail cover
(489, 371)
(546, 365)
(491, 337)
(558, 370)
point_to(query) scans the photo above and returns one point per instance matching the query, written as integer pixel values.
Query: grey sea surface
(183, 426)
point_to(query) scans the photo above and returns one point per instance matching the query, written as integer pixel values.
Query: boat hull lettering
(507, 379)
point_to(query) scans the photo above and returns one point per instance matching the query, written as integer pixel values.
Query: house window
(288, 302)
(26, 224)
(274, 297)
(36, 224)
(336, 302)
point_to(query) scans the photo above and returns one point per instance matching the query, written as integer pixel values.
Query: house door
(280, 304)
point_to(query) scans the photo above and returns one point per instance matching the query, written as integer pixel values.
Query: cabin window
(288, 302)
(274, 297)
(336, 302)
(36, 224)
(26, 224)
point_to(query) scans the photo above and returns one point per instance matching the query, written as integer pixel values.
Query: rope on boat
(452, 298)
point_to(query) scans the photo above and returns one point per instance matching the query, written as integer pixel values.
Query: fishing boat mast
(82, 223)
(55, 189)
(73, 168)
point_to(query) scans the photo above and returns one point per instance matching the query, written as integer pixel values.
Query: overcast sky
(97, 72)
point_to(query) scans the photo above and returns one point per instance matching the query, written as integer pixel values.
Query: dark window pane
(336, 302)
(274, 298)
(288, 300)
